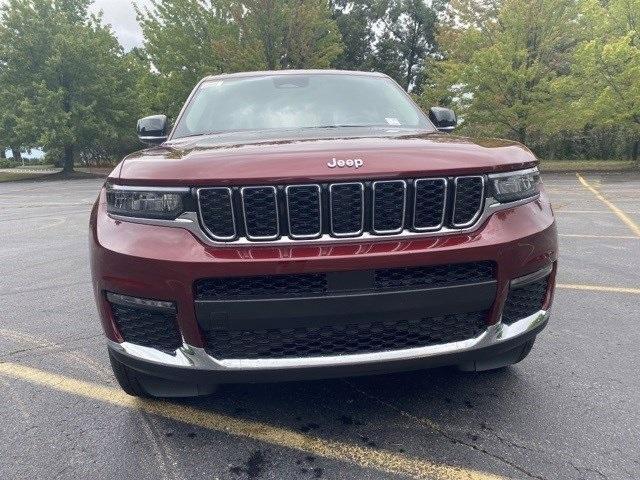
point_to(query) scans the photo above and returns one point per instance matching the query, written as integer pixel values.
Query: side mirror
(153, 130)
(444, 119)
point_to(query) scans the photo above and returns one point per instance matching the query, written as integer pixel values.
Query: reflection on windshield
(298, 101)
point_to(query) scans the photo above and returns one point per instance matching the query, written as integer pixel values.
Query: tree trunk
(636, 151)
(17, 156)
(67, 161)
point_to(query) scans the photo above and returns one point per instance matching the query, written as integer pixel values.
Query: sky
(122, 18)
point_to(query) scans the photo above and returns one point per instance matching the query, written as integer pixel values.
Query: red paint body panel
(162, 262)
(247, 159)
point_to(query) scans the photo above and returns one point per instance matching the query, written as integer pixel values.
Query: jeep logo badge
(355, 162)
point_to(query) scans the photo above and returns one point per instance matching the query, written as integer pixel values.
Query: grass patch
(587, 166)
(39, 177)
(36, 167)
(12, 177)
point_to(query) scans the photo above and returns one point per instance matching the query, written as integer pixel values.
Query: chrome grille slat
(317, 212)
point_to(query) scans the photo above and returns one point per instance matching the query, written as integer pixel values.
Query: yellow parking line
(385, 461)
(561, 210)
(598, 288)
(621, 215)
(578, 235)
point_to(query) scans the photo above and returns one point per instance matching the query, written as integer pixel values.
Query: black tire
(138, 384)
(526, 350)
(501, 361)
(127, 378)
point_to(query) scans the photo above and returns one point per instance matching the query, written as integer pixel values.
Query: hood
(246, 158)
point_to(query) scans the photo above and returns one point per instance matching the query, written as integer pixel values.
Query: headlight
(164, 203)
(512, 186)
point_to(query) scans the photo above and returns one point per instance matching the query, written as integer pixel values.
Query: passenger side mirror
(444, 119)
(153, 130)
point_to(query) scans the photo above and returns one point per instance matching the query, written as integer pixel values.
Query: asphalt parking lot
(571, 410)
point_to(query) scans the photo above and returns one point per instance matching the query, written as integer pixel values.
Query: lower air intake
(344, 339)
(148, 327)
(525, 300)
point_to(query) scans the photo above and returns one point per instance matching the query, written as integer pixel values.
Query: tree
(67, 69)
(355, 20)
(500, 70)
(604, 85)
(189, 39)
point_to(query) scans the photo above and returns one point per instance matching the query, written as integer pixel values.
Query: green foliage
(189, 39)
(7, 163)
(505, 71)
(395, 37)
(604, 86)
(66, 78)
(561, 75)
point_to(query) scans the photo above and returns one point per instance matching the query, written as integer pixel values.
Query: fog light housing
(128, 301)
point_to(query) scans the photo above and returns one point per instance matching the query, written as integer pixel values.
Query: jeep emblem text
(356, 162)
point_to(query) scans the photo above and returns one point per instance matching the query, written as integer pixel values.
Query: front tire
(138, 384)
(500, 361)
(127, 378)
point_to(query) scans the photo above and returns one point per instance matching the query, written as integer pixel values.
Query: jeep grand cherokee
(302, 224)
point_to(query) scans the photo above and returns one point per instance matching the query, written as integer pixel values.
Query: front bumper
(193, 364)
(163, 263)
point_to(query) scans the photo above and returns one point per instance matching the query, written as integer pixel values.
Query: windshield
(298, 101)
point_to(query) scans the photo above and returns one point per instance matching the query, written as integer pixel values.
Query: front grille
(260, 207)
(344, 339)
(346, 202)
(216, 212)
(389, 200)
(525, 300)
(148, 327)
(468, 199)
(265, 286)
(319, 284)
(429, 203)
(433, 276)
(350, 209)
(304, 210)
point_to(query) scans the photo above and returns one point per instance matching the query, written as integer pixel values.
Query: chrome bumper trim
(197, 358)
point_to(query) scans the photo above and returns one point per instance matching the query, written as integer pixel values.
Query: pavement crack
(437, 428)
(43, 346)
(581, 471)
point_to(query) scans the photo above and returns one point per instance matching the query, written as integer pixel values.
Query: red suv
(301, 224)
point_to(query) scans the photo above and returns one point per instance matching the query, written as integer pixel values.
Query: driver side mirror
(153, 130)
(444, 119)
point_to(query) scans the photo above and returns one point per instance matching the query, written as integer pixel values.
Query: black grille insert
(344, 339)
(305, 211)
(433, 275)
(260, 207)
(347, 208)
(525, 300)
(265, 286)
(389, 201)
(320, 284)
(216, 209)
(148, 327)
(468, 200)
(430, 200)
